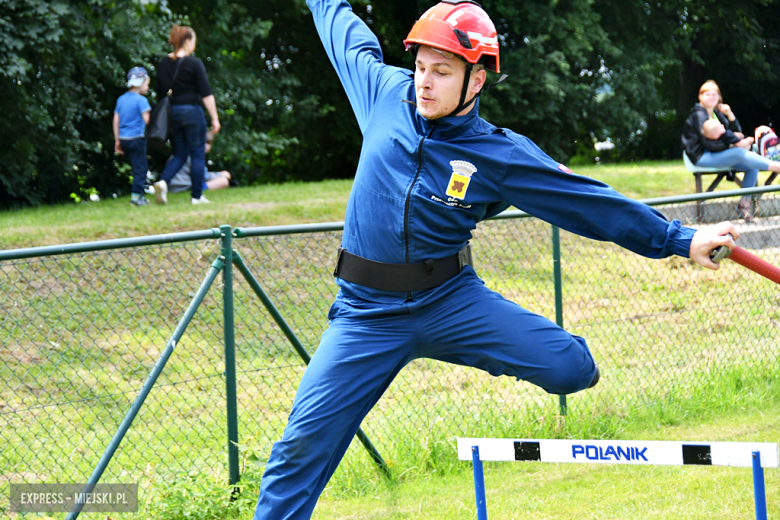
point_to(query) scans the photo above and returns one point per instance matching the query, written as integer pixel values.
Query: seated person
(182, 181)
(714, 130)
(710, 153)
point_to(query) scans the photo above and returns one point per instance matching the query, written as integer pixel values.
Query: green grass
(432, 483)
(665, 351)
(557, 491)
(78, 327)
(292, 203)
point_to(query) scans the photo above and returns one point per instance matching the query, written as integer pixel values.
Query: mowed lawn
(541, 491)
(521, 490)
(277, 204)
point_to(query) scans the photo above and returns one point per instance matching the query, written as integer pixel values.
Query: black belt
(400, 277)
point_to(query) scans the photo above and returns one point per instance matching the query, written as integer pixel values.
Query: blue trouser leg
(480, 328)
(750, 179)
(737, 159)
(180, 148)
(354, 364)
(177, 161)
(135, 150)
(359, 357)
(196, 142)
(188, 139)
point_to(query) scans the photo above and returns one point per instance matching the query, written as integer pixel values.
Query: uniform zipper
(409, 197)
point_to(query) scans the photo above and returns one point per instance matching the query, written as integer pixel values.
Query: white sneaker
(201, 200)
(161, 192)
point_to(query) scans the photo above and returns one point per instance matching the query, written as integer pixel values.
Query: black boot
(596, 378)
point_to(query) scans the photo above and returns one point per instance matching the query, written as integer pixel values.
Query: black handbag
(158, 131)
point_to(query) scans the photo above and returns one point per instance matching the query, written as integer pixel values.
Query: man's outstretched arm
(354, 52)
(540, 186)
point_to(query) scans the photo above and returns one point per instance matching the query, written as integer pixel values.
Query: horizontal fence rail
(82, 326)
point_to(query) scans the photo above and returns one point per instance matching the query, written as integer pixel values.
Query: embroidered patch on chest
(460, 179)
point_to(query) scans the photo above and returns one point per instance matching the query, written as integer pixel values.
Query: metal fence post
(230, 354)
(151, 379)
(558, 279)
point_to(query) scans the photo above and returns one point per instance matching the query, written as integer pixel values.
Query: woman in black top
(717, 153)
(190, 89)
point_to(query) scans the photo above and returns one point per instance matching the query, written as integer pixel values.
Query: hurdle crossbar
(757, 455)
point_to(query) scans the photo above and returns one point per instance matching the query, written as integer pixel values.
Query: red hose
(755, 264)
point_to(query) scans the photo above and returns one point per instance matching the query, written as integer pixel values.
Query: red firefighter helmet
(461, 27)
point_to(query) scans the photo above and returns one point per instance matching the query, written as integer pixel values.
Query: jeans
(737, 159)
(135, 151)
(189, 139)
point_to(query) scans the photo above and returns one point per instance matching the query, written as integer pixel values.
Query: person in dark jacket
(718, 154)
(189, 124)
(430, 169)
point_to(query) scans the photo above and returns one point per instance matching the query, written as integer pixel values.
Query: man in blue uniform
(430, 169)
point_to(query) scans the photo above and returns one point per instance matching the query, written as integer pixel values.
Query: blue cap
(136, 77)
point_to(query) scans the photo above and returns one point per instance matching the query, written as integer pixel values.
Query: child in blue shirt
(131, 116)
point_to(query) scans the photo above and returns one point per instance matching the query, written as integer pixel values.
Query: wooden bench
(720, 173)
(698, 171)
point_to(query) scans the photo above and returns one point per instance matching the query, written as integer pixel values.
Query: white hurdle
(757, 455)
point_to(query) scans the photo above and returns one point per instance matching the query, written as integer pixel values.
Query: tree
(63, 65)
(300, 103)
(579, 71)
(733, 43)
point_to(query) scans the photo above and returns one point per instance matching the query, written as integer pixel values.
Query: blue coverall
(405, 208)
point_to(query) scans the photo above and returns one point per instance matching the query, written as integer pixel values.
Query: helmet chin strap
(463, 104)
(464, 91)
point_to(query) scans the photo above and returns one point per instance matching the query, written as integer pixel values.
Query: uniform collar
(451, 126)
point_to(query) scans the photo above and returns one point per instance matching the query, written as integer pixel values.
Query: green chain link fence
(82, 326)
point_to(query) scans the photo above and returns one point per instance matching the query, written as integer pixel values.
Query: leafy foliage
(250, 85)
(687, 43)
(63, 65)
(579, 71)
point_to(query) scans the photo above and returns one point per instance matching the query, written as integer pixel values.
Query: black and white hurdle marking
(757, 455)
